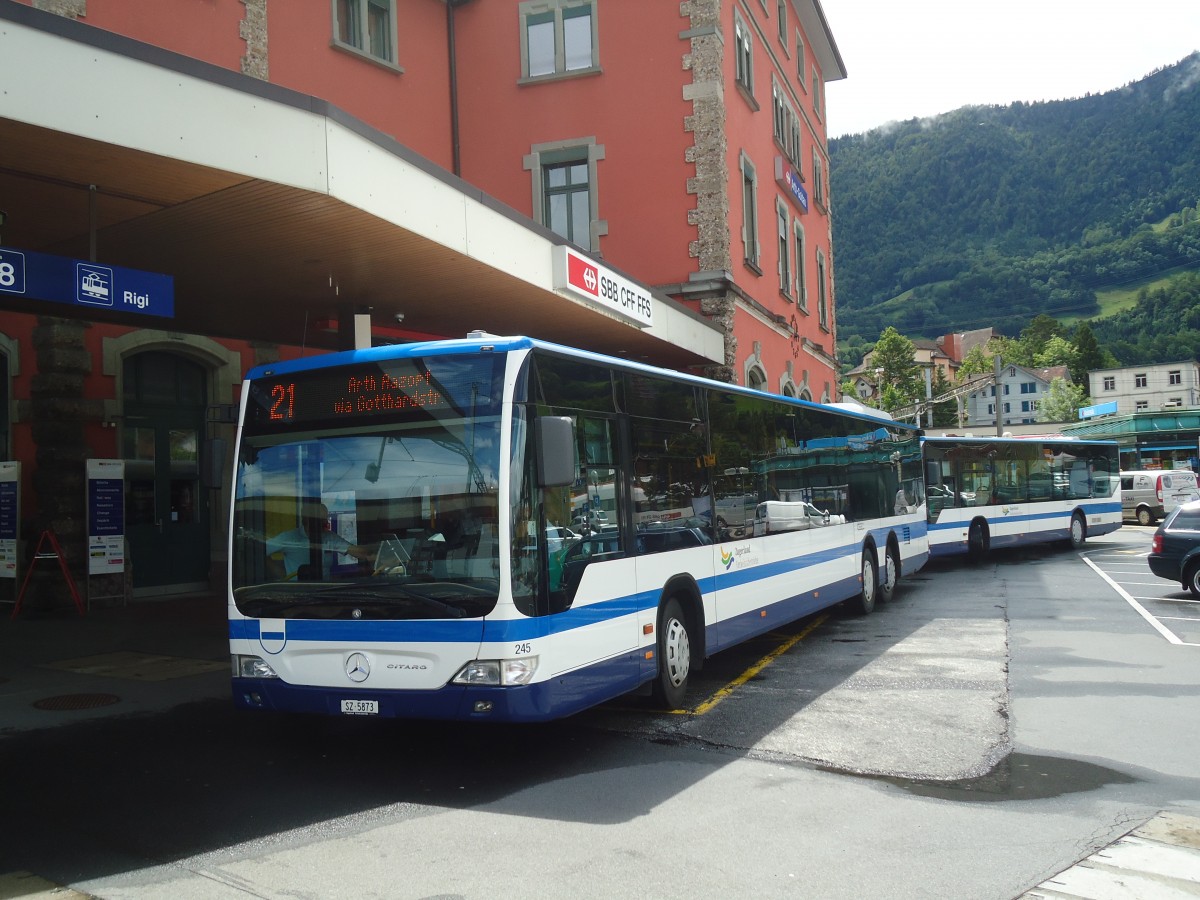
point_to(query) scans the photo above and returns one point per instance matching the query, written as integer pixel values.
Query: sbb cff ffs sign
(582, 277)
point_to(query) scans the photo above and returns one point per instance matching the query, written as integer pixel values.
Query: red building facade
(680, 144)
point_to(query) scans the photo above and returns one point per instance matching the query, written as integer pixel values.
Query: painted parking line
(1150, 618)
(708, 704)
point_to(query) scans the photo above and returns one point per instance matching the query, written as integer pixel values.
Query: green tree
(1057, 351)
(1061, 402)
(945, 415)
(978, 361)
(896, 368)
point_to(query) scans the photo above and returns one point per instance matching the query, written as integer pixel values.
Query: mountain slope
(991, 215)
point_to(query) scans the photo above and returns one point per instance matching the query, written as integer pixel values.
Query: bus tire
(1078, 531)
(864, 604)
(674, 656)
(890, 576)
(978, 541)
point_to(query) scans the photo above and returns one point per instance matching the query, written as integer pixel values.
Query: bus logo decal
(358, 667)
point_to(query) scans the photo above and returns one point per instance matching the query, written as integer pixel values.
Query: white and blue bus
(1003, 492)
(501, 528)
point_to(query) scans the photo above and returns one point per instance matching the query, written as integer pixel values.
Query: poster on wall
(106, 516)
(10, 517)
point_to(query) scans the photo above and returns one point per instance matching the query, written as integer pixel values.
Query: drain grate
(76, 701)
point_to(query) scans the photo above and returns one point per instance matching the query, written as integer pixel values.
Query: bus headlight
(497, 672)
(252, 667)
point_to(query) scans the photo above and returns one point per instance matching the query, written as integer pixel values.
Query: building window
(1139, 380)
(818, 174)
(744, 48)
(1007, 409)
(782, 21)
(786, 125)
(816, 92)
(749, 216)
(991, 409)
(1025, 406)
(558, 37)
(755, 379)
(800, 59)
(367, 27)
(801, 286)
(1110, 382)
(822, 293)
(783, 245)
(1175, 377)
(565, 197)
(1141, 406)
(1028, 387)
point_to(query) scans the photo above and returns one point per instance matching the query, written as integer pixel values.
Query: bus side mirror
(555, 440)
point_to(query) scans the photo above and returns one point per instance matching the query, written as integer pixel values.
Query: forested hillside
(989, 216)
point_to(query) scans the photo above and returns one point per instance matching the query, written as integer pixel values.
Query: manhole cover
(76, 701)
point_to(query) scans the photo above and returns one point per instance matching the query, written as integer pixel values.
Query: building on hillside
(1019, 392)
(1137, 389)
(374, 170)
(941, 355)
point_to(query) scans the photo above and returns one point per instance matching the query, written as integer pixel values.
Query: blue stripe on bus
(1088, 508)
(512, 630)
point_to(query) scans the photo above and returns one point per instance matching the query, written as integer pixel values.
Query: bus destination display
(353, 393)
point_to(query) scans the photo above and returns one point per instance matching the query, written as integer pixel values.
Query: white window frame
(557, 12)
(822, 291)
(816, 94)
(783, 243)
(800, 244)
(1140, 380)
(743, 50)
(1110, 383)
(360, 45)
(781, 12)
(752, 249)
(1175, 376)
(800, 64)
(555, 152)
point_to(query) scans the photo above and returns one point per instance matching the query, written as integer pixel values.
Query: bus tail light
(497, 672)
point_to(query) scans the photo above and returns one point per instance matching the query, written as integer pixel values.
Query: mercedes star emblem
(358, 667)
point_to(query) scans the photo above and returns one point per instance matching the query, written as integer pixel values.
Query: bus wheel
(1078, 531)
(674, 657)
(870, 583)
(977, 541)
(890, 575)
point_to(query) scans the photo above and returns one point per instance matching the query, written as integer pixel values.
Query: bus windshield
(388, 511)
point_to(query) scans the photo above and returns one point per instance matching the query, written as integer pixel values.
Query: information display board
(10, 517)
(106, 516)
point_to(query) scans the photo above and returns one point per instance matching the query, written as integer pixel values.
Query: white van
(1148, 495)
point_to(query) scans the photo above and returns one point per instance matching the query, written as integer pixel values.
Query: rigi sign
(40, 276)
(583, 277)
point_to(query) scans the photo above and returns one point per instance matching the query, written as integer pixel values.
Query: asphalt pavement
(151, 655)
(58, 667)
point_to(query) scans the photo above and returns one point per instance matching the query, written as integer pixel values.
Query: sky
(916, 58)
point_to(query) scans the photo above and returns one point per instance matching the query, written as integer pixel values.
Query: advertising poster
(10, 517)
(106, 516)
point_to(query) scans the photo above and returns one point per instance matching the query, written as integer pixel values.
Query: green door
(166, 510)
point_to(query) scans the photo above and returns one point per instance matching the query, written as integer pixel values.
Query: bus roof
(478, 342)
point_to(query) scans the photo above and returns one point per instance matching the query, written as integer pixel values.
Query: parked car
(1175, 550)
(1147, 496)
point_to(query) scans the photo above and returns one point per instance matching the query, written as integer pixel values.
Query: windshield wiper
(389, 593)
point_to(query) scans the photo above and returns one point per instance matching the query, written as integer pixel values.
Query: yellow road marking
(724, 692)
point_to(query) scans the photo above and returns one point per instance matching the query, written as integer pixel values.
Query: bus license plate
(360, 707)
